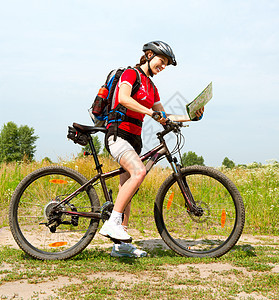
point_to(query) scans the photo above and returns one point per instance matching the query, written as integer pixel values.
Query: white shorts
(119, 147)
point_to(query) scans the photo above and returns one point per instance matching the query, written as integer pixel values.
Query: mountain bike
(55, 211)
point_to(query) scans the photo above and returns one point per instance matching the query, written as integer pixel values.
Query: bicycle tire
(30, 205)
(217, 230)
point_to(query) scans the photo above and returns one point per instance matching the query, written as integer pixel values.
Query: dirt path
(46, 290)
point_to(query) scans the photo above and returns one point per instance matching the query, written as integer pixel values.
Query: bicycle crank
(106, 210)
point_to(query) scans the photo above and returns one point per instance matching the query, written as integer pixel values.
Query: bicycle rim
(217, 230)
(30, 211)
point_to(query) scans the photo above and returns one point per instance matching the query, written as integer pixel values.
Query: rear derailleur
(56, 215)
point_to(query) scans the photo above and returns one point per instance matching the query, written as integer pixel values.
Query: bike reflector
(223, 218)
(170, 200)
(58, 244)
(58, 181)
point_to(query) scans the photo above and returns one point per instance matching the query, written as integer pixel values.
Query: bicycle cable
(180, 142)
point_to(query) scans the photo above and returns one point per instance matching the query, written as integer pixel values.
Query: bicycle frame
(153, 155)
(64, 220)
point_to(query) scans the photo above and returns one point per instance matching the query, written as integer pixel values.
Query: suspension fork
(190, 203)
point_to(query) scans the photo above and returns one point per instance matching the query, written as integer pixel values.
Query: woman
(123, 139)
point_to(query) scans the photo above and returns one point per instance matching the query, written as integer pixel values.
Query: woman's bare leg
(113, 228)
(123, 178)
(131, 162)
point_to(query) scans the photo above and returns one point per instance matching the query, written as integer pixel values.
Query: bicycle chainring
(106, 210)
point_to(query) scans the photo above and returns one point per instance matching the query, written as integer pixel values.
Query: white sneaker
(126, 250)
(115, 231)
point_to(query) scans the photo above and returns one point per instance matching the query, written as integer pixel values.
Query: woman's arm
(158, 107)
(177, 118)
(124, 98)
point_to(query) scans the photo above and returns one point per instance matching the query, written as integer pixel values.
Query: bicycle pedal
(115, 241)
(119, 241)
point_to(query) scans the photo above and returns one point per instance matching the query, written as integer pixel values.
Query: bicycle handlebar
(157, 115)
(170, 126)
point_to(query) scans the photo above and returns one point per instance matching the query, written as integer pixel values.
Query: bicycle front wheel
(31, 209)
(221, 224)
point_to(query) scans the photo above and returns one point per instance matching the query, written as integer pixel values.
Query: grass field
(259, 188)
(249, 271)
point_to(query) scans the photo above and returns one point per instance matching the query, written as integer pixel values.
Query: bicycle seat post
(94, 154)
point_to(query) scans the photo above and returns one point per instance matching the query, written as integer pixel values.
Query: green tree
(17, 142)
(228, 163)
(105, 152)
(191, 158)
(47, 159)
(97, 144)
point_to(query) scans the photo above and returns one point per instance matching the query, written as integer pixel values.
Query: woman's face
(158, 63)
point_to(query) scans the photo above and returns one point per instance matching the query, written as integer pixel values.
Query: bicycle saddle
(88, 129)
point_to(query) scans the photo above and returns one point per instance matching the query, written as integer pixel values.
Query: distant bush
(228, 163)
(47, 159)
(191, 158)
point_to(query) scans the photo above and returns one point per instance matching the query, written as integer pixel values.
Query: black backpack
(105, 99)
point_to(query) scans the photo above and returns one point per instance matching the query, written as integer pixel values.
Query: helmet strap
(148, 61)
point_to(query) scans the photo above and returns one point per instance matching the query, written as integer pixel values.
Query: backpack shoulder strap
(140, 70)
(137, 83)
(116, 79)
(153, 85)
(115, 74)
(110, 75)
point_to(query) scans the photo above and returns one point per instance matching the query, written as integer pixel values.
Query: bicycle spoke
(198, 228)
(45, 230)
(190, 234)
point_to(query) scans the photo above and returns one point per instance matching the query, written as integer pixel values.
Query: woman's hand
(160, 116)
(199, 114)
(159, 110)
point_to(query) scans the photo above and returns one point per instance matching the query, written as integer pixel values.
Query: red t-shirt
(145, 96)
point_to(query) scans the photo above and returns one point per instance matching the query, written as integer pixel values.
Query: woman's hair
(143, 59)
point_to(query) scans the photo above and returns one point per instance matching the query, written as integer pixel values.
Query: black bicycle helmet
(161, 48)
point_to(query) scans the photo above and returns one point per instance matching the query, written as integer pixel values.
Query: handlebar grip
(156, 115)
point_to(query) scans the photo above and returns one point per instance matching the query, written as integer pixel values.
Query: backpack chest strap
(118, 117)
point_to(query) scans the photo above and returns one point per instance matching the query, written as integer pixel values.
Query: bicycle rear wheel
(31, 208)
(215, 232)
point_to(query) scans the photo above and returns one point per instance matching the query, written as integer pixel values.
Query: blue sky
(54, 55)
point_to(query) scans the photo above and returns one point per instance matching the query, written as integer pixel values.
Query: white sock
(116, 217)
(125, 227)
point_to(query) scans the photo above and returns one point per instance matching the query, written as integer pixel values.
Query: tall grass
(259, 188)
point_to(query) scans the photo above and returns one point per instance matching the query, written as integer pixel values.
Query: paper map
(199, 101)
